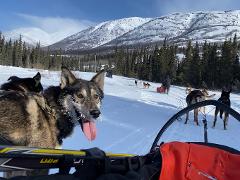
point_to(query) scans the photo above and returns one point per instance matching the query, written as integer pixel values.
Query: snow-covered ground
(132, 116)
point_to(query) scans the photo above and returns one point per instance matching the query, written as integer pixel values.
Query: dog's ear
(13, 78)
(99, 79)
(67, 77)
(37, 78)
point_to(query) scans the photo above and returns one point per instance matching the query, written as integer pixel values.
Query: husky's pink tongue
(89, 129)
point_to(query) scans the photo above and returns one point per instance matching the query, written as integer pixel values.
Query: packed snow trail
(132, 116)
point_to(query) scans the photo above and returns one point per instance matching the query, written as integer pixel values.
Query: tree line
(147, 63)
(18, 53)
(208, 65)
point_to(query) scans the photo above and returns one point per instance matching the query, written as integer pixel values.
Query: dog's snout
(95, 113)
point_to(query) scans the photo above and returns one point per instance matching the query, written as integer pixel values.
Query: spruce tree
(187, 72)
(195, 70)
(226, 64)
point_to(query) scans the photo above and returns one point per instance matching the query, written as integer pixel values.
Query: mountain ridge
(211, 26)
(201, 26)
(100, 34)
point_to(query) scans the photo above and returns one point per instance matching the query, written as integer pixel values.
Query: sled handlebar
(25, 158)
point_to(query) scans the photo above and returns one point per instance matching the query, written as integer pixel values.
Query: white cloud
(48, 30)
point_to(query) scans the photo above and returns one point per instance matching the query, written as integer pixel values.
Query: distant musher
(167, 83)
(136, 82)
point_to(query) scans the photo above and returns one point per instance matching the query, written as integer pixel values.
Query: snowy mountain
(30, 35)
(99, 34)
(181, 27)
(213, 26)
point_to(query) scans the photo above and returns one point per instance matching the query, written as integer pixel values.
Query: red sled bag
(161, 89)
(190, 161)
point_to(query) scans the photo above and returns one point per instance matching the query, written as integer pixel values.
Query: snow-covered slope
(31, 36)
(181, 27)
(132, 116)
(213, 26)
(100, 34)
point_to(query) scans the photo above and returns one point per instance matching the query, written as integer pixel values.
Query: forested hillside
(202, 65)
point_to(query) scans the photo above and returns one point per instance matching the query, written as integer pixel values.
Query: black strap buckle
(65, 164)
(134, 163)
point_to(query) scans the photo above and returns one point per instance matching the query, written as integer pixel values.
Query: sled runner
(167, 161)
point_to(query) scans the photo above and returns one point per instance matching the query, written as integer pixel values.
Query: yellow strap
(59, 152)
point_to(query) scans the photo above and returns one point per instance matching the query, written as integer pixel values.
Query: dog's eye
(80, 96)
(96, 96)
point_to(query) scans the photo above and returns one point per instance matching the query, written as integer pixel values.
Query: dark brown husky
(194, 97)
(225, 99)
(23, 84)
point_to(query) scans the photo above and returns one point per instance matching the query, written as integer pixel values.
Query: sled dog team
(30, 116)
(194, 96)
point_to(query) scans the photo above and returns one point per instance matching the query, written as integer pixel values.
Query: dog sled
(173, 160)
(161, 89)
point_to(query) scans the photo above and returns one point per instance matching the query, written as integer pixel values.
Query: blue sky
(90, 10)
(70, 16)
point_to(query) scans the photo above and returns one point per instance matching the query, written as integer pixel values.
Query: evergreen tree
(212, 68)
(236, 65)
(195, 68)
(187, 72)
(226, 64)
(155, 65)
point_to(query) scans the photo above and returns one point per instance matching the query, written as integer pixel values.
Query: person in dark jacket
(136, 82)
(167, 83)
